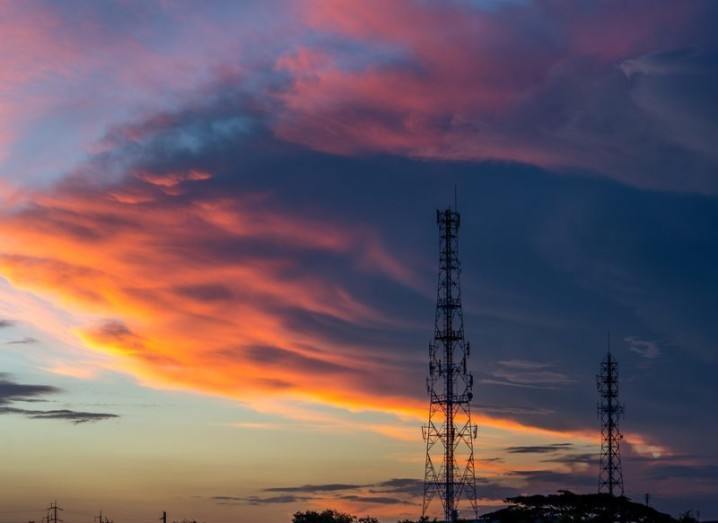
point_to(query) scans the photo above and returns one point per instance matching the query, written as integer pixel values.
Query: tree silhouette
(567, 506)
(329, 516)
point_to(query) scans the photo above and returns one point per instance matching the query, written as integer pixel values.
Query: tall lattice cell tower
(449, 473)
(610, 410)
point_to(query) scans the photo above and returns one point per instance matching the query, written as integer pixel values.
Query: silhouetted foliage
(688, 517)
(329, 516)
(569, 507)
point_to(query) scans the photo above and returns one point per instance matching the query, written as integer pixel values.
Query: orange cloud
(161, 289)
(190, 288)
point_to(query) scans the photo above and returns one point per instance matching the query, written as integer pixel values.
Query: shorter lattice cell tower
(449, 472)
(610, 410)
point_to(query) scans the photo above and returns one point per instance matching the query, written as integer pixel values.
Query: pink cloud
(523, 82)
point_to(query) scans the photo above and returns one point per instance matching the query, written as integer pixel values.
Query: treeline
(569, 507)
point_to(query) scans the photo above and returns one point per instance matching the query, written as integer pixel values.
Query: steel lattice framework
(449, 473)
(610, 478)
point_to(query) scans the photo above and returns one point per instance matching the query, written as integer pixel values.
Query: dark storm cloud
(12, 392)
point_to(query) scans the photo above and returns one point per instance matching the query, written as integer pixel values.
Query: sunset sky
(218, 249)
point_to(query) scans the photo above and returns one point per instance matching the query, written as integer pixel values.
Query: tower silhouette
(449, 472)
(52, 510)
(610, 478)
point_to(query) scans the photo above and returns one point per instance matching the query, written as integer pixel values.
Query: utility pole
(449, 471)
(52, 513)
(610, 410)
(102, 519)
(164, 517)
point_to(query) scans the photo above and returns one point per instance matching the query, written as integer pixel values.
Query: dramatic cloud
(618, 90)
(201, 252)
(105, 248)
